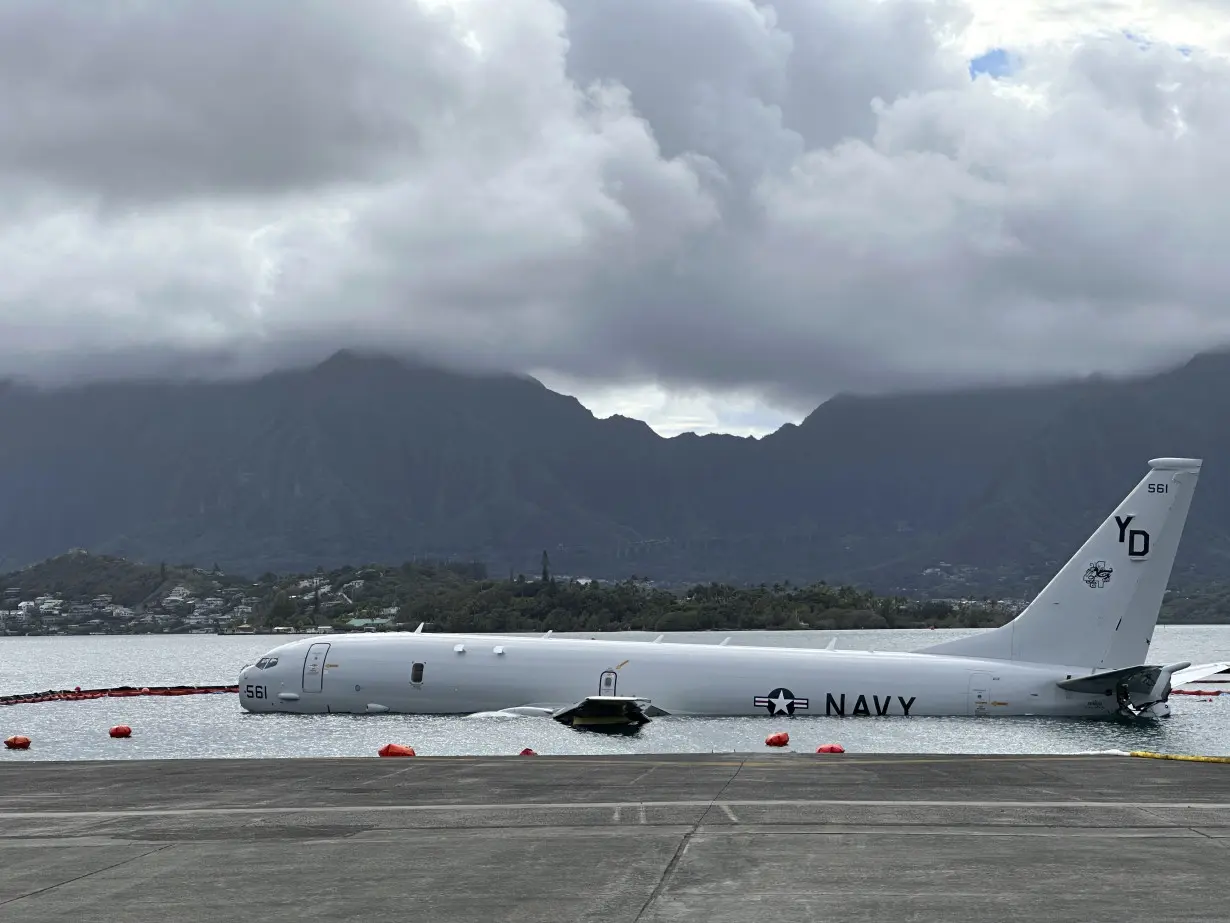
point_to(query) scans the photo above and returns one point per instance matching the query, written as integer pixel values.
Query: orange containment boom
(83, 695)
(1199, 692)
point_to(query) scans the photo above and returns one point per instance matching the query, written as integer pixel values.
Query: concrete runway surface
(729, 837)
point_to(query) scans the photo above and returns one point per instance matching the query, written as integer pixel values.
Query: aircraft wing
(1200, 671)
(1139, 678)
(603, 710)
(518, 711)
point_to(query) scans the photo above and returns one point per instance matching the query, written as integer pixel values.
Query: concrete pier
(773, 836)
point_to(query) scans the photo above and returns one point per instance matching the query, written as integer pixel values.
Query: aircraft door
(979, 693)
(314, 666)
(607, 682)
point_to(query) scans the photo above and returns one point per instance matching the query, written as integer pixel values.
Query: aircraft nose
(249, 679)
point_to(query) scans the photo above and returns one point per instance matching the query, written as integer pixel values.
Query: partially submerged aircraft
(1080, 649)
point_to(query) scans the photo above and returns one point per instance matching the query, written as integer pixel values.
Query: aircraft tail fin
(1100, 610)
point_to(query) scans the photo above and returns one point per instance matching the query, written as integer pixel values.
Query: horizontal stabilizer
(1201, 672)
(1138, 678)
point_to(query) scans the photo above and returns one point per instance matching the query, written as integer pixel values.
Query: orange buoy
(528, 752)
(18, 742)
(777, 739)
(396, 750)
(121, 730)
(830, 748)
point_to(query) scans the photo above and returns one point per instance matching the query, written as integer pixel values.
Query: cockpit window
(266, 662)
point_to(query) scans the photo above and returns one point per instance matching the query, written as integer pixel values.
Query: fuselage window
(416, 673)
(266, 662)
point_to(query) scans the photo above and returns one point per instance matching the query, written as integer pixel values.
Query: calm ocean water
(215, 725)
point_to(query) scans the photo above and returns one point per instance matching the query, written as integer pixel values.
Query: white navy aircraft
(1079, 649)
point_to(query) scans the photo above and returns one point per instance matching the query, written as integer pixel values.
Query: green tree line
(464, 597)
(461, 598)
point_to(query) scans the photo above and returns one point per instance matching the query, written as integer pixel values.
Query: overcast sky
(708, 214)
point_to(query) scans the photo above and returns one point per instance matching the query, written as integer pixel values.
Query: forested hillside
(463, 597)
(981, 492)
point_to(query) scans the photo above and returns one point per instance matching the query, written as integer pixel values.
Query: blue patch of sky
(999, 62)
(994, 63)
(1142, 42)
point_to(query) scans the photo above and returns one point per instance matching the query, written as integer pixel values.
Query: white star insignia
(780, 703)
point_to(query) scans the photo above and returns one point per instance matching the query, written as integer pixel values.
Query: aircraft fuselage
(438, 674)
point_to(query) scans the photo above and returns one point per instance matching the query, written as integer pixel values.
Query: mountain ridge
(367, 457)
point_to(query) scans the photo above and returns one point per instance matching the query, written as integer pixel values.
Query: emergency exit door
(607, 682)
(314, 666)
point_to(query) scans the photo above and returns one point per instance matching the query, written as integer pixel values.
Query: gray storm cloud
(791, 198)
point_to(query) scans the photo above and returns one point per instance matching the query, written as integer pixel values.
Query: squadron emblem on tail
(1098, 575)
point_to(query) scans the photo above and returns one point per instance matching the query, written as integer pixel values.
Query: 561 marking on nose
(254, 692)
